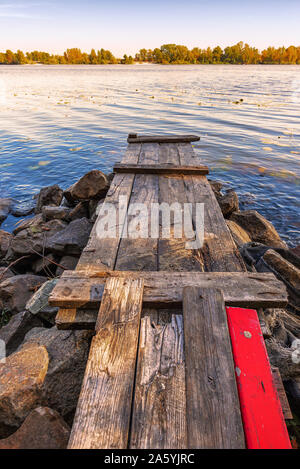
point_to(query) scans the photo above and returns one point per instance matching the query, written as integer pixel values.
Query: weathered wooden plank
(138, 251)
(219, 250)
(85, 288)
(160, 169)
(103, 251)
(161, 138)
(159, 409)
(263, 419)
(103, 412)
(213, 410)
(76, 319)
(287, 413)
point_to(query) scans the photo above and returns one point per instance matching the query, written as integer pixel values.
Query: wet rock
(38, 303)
(258, 228)
(80, 211)
(68, 262)
(92, 185)
(5, 239)
(72, 239)
(45, 265)
(216, 186)
(240, 236)
(14, 332)
(55, 213)
(23, 209)
(229, 203)
(68, 353)
(296, 250)
(5, 208)
(51, 195)
(21, 379)
(29, 222)
(5, 273)
(16, 291)
(44, 428)
(32, 236)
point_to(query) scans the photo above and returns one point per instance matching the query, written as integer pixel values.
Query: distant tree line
(240, 53)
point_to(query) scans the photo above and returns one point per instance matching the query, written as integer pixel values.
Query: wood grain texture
(213, 410)
(85, 288)
(162, 138)
(103, 251)
(76, 319)
(219, 250)
(287, 413)
(160, 169)
(103, 412)
(159, 410)
(140, 253)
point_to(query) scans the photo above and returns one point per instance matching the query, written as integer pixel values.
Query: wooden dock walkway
(161, 372)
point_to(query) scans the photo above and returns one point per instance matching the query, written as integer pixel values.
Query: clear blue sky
(125, 26)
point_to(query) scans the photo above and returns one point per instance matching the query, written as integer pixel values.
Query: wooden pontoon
(163, 365)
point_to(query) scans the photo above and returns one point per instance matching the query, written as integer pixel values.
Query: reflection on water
(59, 122)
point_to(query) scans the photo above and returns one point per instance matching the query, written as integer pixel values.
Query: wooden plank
(85, 288)
(173, 254)
(160, 169)
(287, 413)
(141, 253)
(162, 138)
(103, 412)
(103, 251)
(213, 410)
(219, 250)
(76, 319)
(263, 419)
(159, 410)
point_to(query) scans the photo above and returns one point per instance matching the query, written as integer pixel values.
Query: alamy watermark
(154, 220)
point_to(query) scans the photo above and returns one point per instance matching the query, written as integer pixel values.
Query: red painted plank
(263, 420)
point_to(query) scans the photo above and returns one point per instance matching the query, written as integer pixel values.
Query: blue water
(58, 122)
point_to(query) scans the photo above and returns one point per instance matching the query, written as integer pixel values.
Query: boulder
(239, 235)
(33, 236)
(259, 229)
(5, 273)
(43, 428)
(28, 223)
(80, 211)
(5, 208)
(72, 239)
(285, 269)
(38, 303)
(216, 186)
(55, 213)
(14, 332)
(21, 379)
(93, 185)
(16, 291)
(229, 203)
(51, 195)
(5, 239)
(68, 262)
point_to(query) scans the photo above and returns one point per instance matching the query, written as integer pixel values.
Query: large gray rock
(5, 208)
(44, 428)
(259, 229)
(229, 203)
(14, 332)
(38, 303)
(46, 370)
(72, 239)
(51, 195)
(68, 262)
(16, 291)
(5, 239)
(31, 237)
(92, 185)
(55, 213)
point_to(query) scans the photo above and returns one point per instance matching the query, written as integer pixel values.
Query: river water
(58, 122)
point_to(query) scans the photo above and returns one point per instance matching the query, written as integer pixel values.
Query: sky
(127, 26)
